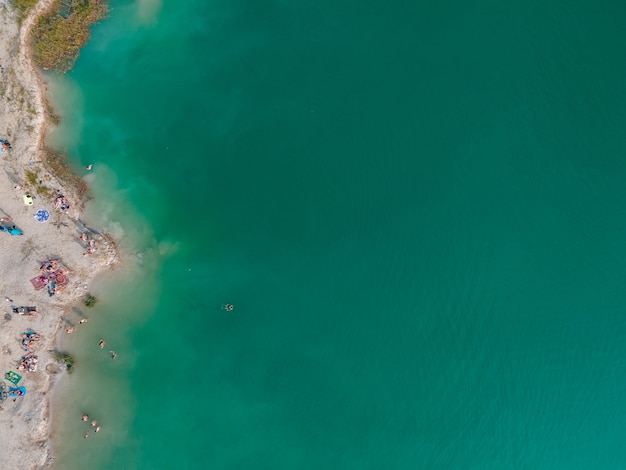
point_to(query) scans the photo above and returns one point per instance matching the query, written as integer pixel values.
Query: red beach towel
(38, 282)
(61, 279)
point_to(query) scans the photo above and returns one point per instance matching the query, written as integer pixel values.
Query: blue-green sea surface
(416, 208)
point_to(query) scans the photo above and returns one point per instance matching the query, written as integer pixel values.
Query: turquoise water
(417, 211)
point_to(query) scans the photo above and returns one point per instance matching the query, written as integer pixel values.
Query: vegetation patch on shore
(32, 177)
(57, 163)
(90, 300)
(67, 359)
(59, 34)
(23, 8)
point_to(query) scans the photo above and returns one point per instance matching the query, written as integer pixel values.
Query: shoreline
(24, 122)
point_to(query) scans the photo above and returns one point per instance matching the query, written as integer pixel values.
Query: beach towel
(60, 279)
(38, 282)
(17, 391)
(42, 215)
(13, 377)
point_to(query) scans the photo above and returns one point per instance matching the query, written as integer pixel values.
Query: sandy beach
(25, 420)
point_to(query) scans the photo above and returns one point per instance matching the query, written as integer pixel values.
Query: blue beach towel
(42, 215)
(17, 391)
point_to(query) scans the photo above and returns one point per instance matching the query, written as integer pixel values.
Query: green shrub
(90, 300)
(33, 181)
(32, 178)
(67, 359)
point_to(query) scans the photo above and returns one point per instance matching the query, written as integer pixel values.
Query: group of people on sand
(90, 244)
(61, 203)
(49, 265)
(52, 277)
(28, 340)
(94, 424)
(28, 363)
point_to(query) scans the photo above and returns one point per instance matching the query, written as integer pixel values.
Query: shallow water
(416, 211)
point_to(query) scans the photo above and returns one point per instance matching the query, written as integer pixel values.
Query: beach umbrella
(42, 215)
